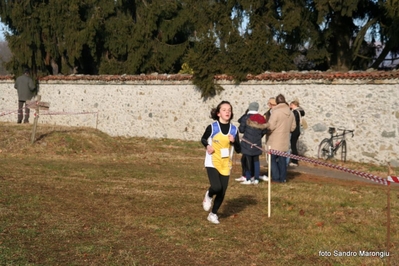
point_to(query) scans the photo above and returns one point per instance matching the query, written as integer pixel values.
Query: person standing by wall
(270, 104)
(25, 89)
(219, 139)
(281, 124)
(298, 113)
(242, 178)
(250, 126)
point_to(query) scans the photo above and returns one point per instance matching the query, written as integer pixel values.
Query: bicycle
(328, 149)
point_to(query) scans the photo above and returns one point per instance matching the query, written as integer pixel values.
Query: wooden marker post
(37, 106)
(269, 182)
(389, 222)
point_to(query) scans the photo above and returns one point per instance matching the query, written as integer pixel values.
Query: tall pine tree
(96, 36)
(234, 37)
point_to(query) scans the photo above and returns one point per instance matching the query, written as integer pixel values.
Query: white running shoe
(247, 182)
(293, 164)
(207, 202)
(213, 218)
(255, 182)
(264, 178)
(241, 179)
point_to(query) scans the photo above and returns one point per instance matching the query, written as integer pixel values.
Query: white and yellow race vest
(221, 159)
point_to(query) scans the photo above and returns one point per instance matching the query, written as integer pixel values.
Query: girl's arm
(206, 135)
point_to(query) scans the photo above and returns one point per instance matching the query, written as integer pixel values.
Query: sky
(3, 28)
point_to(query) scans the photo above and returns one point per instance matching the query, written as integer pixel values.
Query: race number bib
(224, 152)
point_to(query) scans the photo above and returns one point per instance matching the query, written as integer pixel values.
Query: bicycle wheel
(324, 149)
(343, 150)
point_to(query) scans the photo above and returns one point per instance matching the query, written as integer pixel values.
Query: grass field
(80, 197)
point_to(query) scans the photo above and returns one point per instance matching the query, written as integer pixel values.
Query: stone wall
(174, 108)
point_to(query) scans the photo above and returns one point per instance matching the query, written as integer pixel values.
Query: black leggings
(294, 149)
(218, 187)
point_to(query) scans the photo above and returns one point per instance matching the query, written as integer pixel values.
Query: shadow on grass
(292, 175)
(234, 206)
(49, 134)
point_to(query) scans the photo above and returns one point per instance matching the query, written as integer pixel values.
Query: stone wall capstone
(173, 108)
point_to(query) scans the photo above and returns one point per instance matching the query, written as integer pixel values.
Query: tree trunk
(382, 56)
(340, 43)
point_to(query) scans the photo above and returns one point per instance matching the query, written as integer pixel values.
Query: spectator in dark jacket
(25, 88)
(298, 113)
(242, 177)
(250, 126)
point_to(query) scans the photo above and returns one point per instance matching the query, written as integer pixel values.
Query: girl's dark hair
(215, 111)
(280, 99)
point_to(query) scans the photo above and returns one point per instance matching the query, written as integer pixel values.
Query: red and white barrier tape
(8, 113)
(49, 113)
(66, 113)
(377, 179)
(15, 111)
(393, 179)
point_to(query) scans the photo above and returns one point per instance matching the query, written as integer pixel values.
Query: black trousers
(21, 105)
(243, 163)
(251, 165)
(294, 144)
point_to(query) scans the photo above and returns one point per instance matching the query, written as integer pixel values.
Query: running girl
(219, 139)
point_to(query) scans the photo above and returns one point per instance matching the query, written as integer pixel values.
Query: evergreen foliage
(233, 37)
(203, 58)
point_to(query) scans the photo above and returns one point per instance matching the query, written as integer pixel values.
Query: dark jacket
(25, 87)
(297, 113)
(250, 125)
